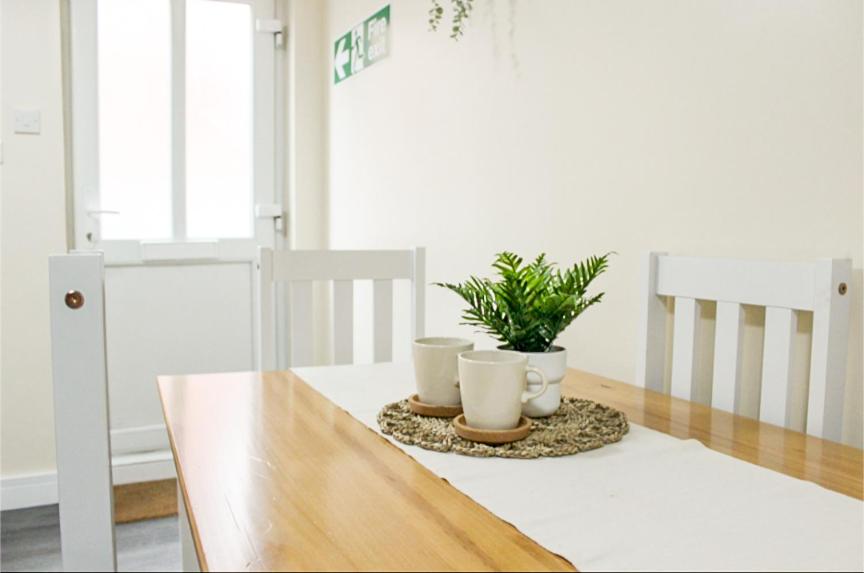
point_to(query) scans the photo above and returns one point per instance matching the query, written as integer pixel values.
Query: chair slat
(829, 348)
(727, 355)
(652, 337)
(343, 322)
(780, 327)
(342, 265)
(684, 344)
(301, 331)
(755, 282)
(382, 305)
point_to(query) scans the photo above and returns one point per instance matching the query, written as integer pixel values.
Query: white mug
(436, 369)
(492, 384)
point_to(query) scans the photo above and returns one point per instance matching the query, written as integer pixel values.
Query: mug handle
(527, 396)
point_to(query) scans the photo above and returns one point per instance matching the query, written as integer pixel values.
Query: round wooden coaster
(520, 432)
(424, 409)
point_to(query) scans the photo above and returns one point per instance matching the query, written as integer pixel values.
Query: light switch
(28, 121)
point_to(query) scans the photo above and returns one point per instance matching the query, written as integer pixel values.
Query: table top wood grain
(276, 477)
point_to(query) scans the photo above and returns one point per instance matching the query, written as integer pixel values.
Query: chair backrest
(783, 288)
(299, 269)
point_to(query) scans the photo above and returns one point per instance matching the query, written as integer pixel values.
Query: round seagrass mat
(578, 426)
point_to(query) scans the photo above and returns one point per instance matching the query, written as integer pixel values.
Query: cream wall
(306, 143)
(710, 127)
(305, 118)
(33, 225)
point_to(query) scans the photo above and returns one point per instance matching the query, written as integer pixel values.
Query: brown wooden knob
(842, 288)
(74, 299)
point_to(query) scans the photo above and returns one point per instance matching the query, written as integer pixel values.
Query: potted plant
(527, 308)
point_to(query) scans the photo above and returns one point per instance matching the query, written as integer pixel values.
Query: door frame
(81, 96)
(84, 141)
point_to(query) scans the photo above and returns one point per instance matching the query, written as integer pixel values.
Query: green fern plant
(531, 303)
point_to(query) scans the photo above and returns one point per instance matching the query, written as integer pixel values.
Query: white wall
(710, 127)
(33, 225)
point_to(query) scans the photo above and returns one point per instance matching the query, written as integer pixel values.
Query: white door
(173, 149)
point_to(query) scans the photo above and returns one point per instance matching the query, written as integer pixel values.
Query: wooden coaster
(463, 430)
(424, 409)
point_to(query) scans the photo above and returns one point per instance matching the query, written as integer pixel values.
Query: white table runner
(650, 502)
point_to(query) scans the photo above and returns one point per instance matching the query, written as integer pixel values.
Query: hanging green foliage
(461, 11)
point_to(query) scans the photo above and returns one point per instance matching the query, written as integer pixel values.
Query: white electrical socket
(28, 121)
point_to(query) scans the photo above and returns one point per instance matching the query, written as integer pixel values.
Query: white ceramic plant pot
(554, 365)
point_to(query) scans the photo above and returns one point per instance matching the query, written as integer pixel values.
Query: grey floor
(30, 541)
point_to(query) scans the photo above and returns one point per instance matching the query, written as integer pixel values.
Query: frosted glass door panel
(219, 75)
(134, 71)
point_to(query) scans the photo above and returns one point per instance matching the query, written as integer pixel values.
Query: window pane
(218, 119)
(135, 118)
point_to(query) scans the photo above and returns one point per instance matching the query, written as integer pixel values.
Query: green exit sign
(366, 44)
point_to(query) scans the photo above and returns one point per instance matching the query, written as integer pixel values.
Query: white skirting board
(29, 490)
(32, 490)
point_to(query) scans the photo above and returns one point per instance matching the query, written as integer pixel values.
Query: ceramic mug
(554, 364)
(436, 369)
(492, 384)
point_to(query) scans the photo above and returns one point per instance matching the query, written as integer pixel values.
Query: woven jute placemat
(578, 426)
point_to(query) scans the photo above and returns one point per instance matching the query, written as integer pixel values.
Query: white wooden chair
(782, 288)
(298, 269)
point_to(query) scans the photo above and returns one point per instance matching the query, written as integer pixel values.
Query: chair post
(81, 418)
(652, 328)
(418, 293)
(266, 333)
(829, 348)
(188, 556)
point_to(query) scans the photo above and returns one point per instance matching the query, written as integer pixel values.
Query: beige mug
(436, 369)
(493, 387)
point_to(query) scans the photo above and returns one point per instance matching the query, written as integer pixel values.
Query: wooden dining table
(274, 476)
